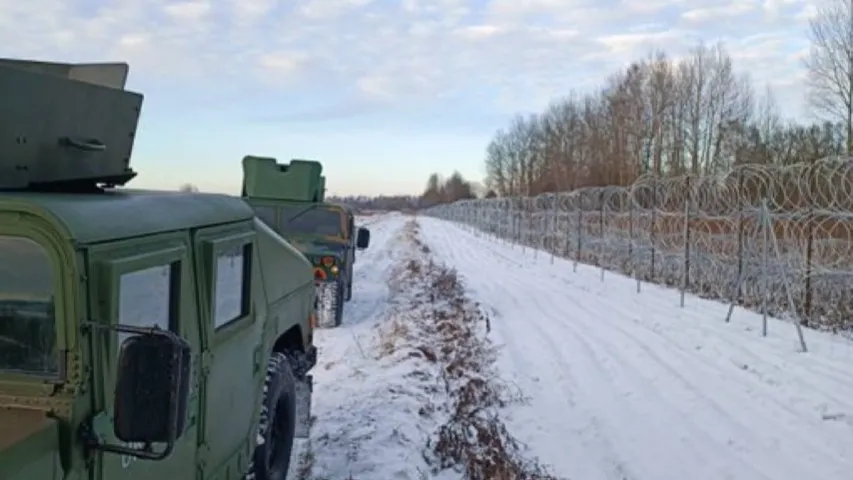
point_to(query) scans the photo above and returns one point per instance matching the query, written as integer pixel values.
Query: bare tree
(497, 163)
(830, 64)
(453, 188)
(658, 115)
(434, 191)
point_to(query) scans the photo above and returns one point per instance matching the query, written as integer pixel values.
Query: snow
(618, 384)
(628, 385)
(364, 403)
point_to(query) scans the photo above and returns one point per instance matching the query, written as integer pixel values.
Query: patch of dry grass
(471, 439)
(439, 338)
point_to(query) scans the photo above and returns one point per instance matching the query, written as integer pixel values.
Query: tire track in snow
(729, 437)
(838, 392)
(711, 366)
(840, 379)
(658, 407)
(608, 364)
(555, 372)
(372, 268)
(689, 361)
(369, 303)
(605, 360)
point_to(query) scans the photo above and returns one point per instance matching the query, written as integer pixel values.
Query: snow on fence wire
(774, 239)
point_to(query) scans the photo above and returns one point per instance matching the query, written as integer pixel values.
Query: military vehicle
(290, 198)
(143, 334)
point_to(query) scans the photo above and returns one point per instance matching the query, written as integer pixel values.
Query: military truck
(290, 198)
(143, 334)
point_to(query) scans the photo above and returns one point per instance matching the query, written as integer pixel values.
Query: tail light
(319, 274)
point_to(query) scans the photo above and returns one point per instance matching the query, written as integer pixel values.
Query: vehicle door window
(231, 293)
(148, 298)
(27, 319)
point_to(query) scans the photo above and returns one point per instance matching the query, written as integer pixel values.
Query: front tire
(277, 422)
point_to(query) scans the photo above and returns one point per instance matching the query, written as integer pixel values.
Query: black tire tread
(280, 380)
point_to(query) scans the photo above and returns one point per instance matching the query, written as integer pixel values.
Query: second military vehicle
(291, 199)
(143, 335)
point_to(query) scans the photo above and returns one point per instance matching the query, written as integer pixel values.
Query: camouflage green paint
(93, 242)
(281, 191)
(313, 245)
(296, 181)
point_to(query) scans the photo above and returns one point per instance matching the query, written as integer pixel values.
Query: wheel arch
(289, 341)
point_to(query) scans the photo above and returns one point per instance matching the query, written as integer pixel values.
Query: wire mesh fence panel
(777, 239)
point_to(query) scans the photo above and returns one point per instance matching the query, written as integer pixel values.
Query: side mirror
(362, 240)
(152, 389)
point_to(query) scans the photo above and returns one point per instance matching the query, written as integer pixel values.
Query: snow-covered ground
(364, 403)
(341, 348)
(617, 384)
(630, 386)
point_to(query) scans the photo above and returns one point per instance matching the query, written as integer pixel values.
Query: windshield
(27, 325)
(314, 220)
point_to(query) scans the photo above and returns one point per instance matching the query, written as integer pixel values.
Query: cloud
(502, 55)
(718, 12)
(188, 12)
(246, 12)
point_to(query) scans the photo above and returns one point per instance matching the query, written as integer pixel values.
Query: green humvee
(290, 199)
(143, 335)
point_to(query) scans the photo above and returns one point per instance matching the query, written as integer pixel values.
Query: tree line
(380, 202)
(446, 190)
(665, 116)
(438, 190)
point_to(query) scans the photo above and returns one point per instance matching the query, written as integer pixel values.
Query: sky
(382, 92)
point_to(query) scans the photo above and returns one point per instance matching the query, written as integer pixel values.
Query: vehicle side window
(232, 291)
(149, 297)
(27, 319)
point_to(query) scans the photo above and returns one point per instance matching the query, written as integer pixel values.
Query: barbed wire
(778, 239)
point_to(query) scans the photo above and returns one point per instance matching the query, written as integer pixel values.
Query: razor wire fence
(776, 239)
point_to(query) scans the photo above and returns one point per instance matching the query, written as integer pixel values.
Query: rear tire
(330, 313)
(274, 447)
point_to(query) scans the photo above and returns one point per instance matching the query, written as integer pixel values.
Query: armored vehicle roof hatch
(297, 181)
(67, 127)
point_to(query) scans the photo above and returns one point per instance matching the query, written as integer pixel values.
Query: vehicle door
(143, 283)
(352, 236)
(348, 256)
(232, 363)
(36, 333)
